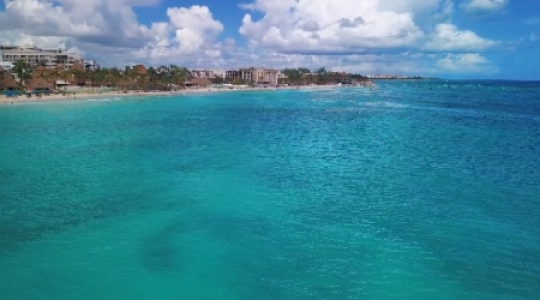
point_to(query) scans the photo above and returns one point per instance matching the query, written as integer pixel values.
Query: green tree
(23, 72)
(294, 75)
(322, 75)
(113, 76)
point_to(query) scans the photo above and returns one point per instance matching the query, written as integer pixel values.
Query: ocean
(408, 190)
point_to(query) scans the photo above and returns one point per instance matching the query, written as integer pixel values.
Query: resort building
(248, 75)
(266, 76)
(232, 74)
(255, 75)
(202, 74)
(34, 56)
(219, 73)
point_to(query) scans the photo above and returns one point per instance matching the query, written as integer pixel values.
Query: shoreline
(86, 96)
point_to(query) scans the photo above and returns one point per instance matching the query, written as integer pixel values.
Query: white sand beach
(108, 94)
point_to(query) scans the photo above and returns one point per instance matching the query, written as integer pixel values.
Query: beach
(119, 93)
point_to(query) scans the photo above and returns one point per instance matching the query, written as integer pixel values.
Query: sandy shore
(113, 94)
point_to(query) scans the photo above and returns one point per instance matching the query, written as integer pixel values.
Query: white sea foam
(387, 104)
(103, 99)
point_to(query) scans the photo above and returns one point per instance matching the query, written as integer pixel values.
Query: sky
(467, 39)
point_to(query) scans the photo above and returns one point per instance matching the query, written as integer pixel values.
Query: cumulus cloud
(368, 36)
(466, 63)
(484, 6)
(345, 27)
(189, 35)
(338, 26)
(112, 23)
(111, 28)
(447, 37)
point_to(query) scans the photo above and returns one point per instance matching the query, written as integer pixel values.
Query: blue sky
(445, 38)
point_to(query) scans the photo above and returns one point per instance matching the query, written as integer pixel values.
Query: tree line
(130, 77)
(156, 78)
(303, 76)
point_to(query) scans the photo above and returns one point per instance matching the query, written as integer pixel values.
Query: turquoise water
(412, 190)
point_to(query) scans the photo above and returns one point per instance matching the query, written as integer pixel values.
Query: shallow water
(413, 190)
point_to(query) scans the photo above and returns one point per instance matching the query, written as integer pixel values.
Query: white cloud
(110, 29)
(324, 26)
(466, 63)
(368, 36)
(103, 22)
(447, 37)
(484, 6)
(346, 27)
(189, 36)
(194, 27)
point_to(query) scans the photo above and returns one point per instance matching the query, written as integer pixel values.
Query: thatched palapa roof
(41, 79)
(7, 81)
(78, 75)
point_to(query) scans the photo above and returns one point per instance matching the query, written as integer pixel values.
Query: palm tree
(23, 72)
(113, 75)
(322, 75)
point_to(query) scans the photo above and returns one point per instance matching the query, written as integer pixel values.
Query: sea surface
(408, 190)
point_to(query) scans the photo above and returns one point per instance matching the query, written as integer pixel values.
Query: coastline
(101, 95)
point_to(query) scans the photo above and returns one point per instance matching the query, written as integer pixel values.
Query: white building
(266, 76)
(37, 56)
(202, 74)
(219, 73)
(6, 65)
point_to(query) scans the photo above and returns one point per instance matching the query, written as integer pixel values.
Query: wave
(103, 99)
(386, 104)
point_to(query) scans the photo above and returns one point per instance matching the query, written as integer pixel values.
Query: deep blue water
(410, 190)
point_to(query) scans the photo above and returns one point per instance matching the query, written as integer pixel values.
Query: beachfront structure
(266, 76)
(202, 74)
(34, 56)
(255, 75)
(232, 74)
(248, 74)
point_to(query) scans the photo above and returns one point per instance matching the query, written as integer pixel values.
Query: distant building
(266, 76)
(219, 73)
(248, 74)
(232, 74)
(34, 56)
(140, 69)
(202, 74)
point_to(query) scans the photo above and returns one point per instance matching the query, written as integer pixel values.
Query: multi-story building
(219, 73)
(248, 74)
(255, 75)
(34, 56)
(232, 74)
(202, 74)
(266, 76)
